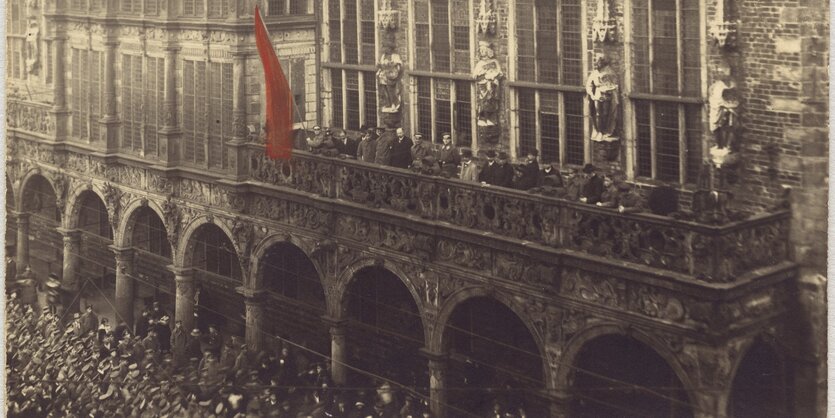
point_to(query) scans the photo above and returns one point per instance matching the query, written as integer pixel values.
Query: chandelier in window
(486, 19)
(389, 19)
(603, 25)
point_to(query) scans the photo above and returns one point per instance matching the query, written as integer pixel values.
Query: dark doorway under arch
(296, 298)
(97, 274)
(46, 248)
(761, 387)
(386, 330)
(613, 376)
(495, 359)
(154, 282)
(218, 275)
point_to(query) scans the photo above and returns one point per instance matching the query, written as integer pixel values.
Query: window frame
(686, 174)
(560, 88)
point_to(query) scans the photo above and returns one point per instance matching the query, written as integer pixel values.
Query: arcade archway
(217, 275)
(296, 298)
(97, 266)
(45, 243)
(385, 328)
(761, 387)
(152, 254)
(494, 359)
(617, 375)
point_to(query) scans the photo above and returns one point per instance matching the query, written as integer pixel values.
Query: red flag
(279, 126)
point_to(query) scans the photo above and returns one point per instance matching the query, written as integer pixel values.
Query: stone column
(59, 110)
(237, 150)
(69, 270)
(169, 133)
(124, 284)
(110, 121)
(184, 310)
(438, 366)
(22, 242)
(560, 402)
(339, 349)
(254, 302)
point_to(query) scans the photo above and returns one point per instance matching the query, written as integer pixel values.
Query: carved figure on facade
(603, 25)
(464, 255)
(60, 184)
(113, 200)
(171, 217)
(33, 53)
(243, 233)
(488, 74)
(486, 19)
(389, 73)
(724, 118)
(604, 102)
(653, 303)
(388, 17)
(601, 290)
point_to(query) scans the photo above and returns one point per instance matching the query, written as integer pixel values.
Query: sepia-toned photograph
(416, 208)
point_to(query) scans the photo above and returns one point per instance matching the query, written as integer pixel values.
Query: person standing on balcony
(345, 145)
(529, 174)
(421, 149)
(469, 167)
(385, 144)
(448, 156)
(367, 148)
(593, 188)
(401, 152)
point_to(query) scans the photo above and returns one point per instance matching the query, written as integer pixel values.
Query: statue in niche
(488, 75)
(602, 89)
(724, 116)
(389, 71)
(32, 46)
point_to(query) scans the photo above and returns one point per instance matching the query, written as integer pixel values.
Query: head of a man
(400, 133)
(447, 138)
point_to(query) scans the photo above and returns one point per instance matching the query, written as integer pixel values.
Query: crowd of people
(393, 148)
(81, 367)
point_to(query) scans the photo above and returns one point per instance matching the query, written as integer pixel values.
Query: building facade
(133, 155)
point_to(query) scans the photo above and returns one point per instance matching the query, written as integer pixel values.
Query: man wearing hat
(179, 342)
(401, 150)
(421, 148)
(367, 148)
(488, 172)
(529, 175)
(89, 320)
(448, 156)
(593, 188)
(315, 141)
(498, 171)
(193, 345)
(628, 200)
(163, 331)
(469, 167)
(610, 196)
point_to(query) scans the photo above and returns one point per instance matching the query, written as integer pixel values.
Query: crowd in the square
(395, 149)
(79, 366)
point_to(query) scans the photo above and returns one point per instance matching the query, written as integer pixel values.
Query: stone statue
(724, 117)
(488, 75)
(389, 71)
(32, 46)
(602, 89)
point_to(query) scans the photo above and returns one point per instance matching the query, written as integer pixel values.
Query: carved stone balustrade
(713, 254)
(29, 117)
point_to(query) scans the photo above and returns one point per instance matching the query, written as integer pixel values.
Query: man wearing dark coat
(503, 174)
(593, 188)
(89, 320)
(163, 334)
(401, 150)
(529, 174)
(345, 145)
(193, 345)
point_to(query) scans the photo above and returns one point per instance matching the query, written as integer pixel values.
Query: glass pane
(664, 49)
(463, 119)
(693, 119)
(525, 47)
(643, 140)
(424, 92)
(353, 100)
(527, 120)
(640, 45)
(546, 41)
(349, 26)
(667, 141)
(370, 88)
(572, 43)
(691, 48)
(574, 122)
(336, 93)
(550, 125)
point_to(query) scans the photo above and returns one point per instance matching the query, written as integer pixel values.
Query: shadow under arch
(608, 369)
(762, 385)
(496, 355)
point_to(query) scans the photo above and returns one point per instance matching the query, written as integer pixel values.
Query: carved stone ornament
(723, 31)
(113, 199)
(724, 120)
(604, 100)
(171, 217)
(243, 233)
(603, 25)
(388, 17)
(488, 74)
(33, 51)
(60, 184)
(486, 19)
(389, 73)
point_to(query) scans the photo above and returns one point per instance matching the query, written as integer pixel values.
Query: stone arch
(183, 254)
(11, 196)
(124, 235)
(461, 296)
(75, 200)
(27, 178)
(583, 337)
(337, 304)
(255, 281)
(782, 364)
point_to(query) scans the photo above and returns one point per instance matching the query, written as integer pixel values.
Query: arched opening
(153, 280)
(46, 248)
(217, 275)
(97, 267)
(296, 298)
(762, 386)
(494, 359)
(11, 235)
(616, 375)
(386, 330)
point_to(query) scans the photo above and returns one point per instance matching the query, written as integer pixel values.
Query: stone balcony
(731, 252)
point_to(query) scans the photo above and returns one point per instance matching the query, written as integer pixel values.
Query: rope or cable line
(628, 384)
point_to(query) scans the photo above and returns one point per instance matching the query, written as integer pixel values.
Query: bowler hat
(467, 153)
(589, 168)
(491, 154)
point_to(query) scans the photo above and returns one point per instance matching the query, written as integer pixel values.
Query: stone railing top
(710, 253)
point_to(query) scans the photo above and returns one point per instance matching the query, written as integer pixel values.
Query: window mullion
(433, 117)
(535, 49)
(558, 57)
(538, 118)
(341, 36)
(682, 144)
(562, 128)
(344, 88)
(653, 148)
(679, 52)
(361, 94)
(650, 45)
